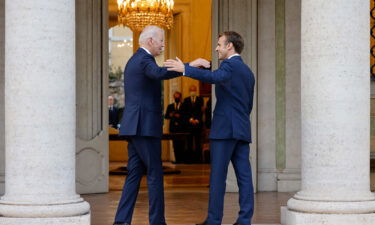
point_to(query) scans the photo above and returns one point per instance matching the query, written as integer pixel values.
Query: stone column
(40, 115)
(2, 98)
(335, 92)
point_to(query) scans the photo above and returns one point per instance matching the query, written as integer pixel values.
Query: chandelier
(136, 14)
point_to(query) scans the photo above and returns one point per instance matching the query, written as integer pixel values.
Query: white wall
(287, 177)
(267, 173)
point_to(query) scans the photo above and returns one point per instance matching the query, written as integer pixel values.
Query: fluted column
(335, 93)
(2, 97)
(40, 115)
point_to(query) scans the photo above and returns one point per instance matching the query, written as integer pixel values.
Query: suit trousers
(179, 150)
(194, 146)
(144, 157)
(222, 152)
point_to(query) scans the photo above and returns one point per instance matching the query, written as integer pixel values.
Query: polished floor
(186, 196)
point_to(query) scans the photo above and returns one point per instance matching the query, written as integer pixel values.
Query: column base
(298, 218)
(76, 220)
(64, 209)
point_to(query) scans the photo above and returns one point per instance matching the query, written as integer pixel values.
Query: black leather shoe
(204, 223)
(236, 224)
(118, 223)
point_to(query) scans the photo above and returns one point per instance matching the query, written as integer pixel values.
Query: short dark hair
(234, 38)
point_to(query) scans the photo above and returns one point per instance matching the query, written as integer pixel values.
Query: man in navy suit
(230, 130)
(142, 125)
(113, 112)
(193, 118)
(175, 115)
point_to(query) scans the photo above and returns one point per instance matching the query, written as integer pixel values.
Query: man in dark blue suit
(142, 124)
(113, 112)
(230, 130)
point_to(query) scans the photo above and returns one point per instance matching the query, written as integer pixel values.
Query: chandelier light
(136, 14)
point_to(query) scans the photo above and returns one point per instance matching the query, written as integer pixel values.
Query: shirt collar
(146, 50)
(236, 54)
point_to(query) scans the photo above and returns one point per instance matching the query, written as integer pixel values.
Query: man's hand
(175, 65)
(200, 63)
(193, 121)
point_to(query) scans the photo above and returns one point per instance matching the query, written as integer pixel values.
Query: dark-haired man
(230, 130)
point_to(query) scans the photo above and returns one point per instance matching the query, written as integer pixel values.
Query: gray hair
(149, 32)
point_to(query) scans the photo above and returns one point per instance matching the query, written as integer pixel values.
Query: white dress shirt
(236, 54)
(146, 50)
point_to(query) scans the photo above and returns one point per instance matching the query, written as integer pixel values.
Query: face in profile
(222, 47)
(157, 44)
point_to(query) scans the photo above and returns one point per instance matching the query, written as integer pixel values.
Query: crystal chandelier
(136, 14)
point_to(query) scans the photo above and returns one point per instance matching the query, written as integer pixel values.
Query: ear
(230, 46)
(149, 41)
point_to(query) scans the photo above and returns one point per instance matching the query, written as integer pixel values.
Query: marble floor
(186, 206)
(186, 196)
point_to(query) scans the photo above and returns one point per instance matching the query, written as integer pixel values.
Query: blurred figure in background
(113, 113)
(176, 125)
(192, 107)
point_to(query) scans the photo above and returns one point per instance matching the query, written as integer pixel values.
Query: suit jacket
(113, 116)
(193, 110)
(234, 93)
(176, 123)
(142, 115)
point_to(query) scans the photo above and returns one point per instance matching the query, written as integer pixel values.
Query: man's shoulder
(236, 63)
(236, 60)
(139, 55)
(137, 60)
(227, 63)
